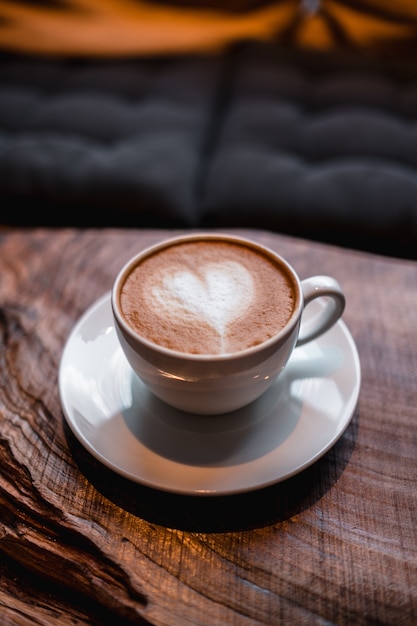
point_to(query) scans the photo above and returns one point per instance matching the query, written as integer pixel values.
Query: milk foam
(217, 293)
(207, 297)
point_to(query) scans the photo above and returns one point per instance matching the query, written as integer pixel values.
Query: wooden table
(79, 544)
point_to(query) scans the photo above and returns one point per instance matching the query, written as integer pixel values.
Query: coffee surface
(207, 297)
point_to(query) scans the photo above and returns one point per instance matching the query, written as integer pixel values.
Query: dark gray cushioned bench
(302, 143)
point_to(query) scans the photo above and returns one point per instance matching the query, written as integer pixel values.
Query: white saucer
(123, 425)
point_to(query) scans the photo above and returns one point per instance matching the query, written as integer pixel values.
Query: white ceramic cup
(220, 383)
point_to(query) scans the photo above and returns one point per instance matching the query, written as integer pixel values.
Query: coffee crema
(207, 297)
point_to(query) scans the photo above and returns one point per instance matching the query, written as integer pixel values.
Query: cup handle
(321, 287)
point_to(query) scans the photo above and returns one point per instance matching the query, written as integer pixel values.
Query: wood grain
(336, 544)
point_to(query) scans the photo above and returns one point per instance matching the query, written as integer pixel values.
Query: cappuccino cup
(209, 321)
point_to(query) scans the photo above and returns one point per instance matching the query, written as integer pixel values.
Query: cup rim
(200, 236)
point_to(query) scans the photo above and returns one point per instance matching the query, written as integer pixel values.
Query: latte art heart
(216, 294)
(207, 297)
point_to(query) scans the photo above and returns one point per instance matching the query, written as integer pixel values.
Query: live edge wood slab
(336, 544)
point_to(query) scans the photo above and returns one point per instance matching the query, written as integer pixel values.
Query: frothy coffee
(207, 297)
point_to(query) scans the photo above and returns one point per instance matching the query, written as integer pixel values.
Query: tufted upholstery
(314, 145)
(121, 138)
